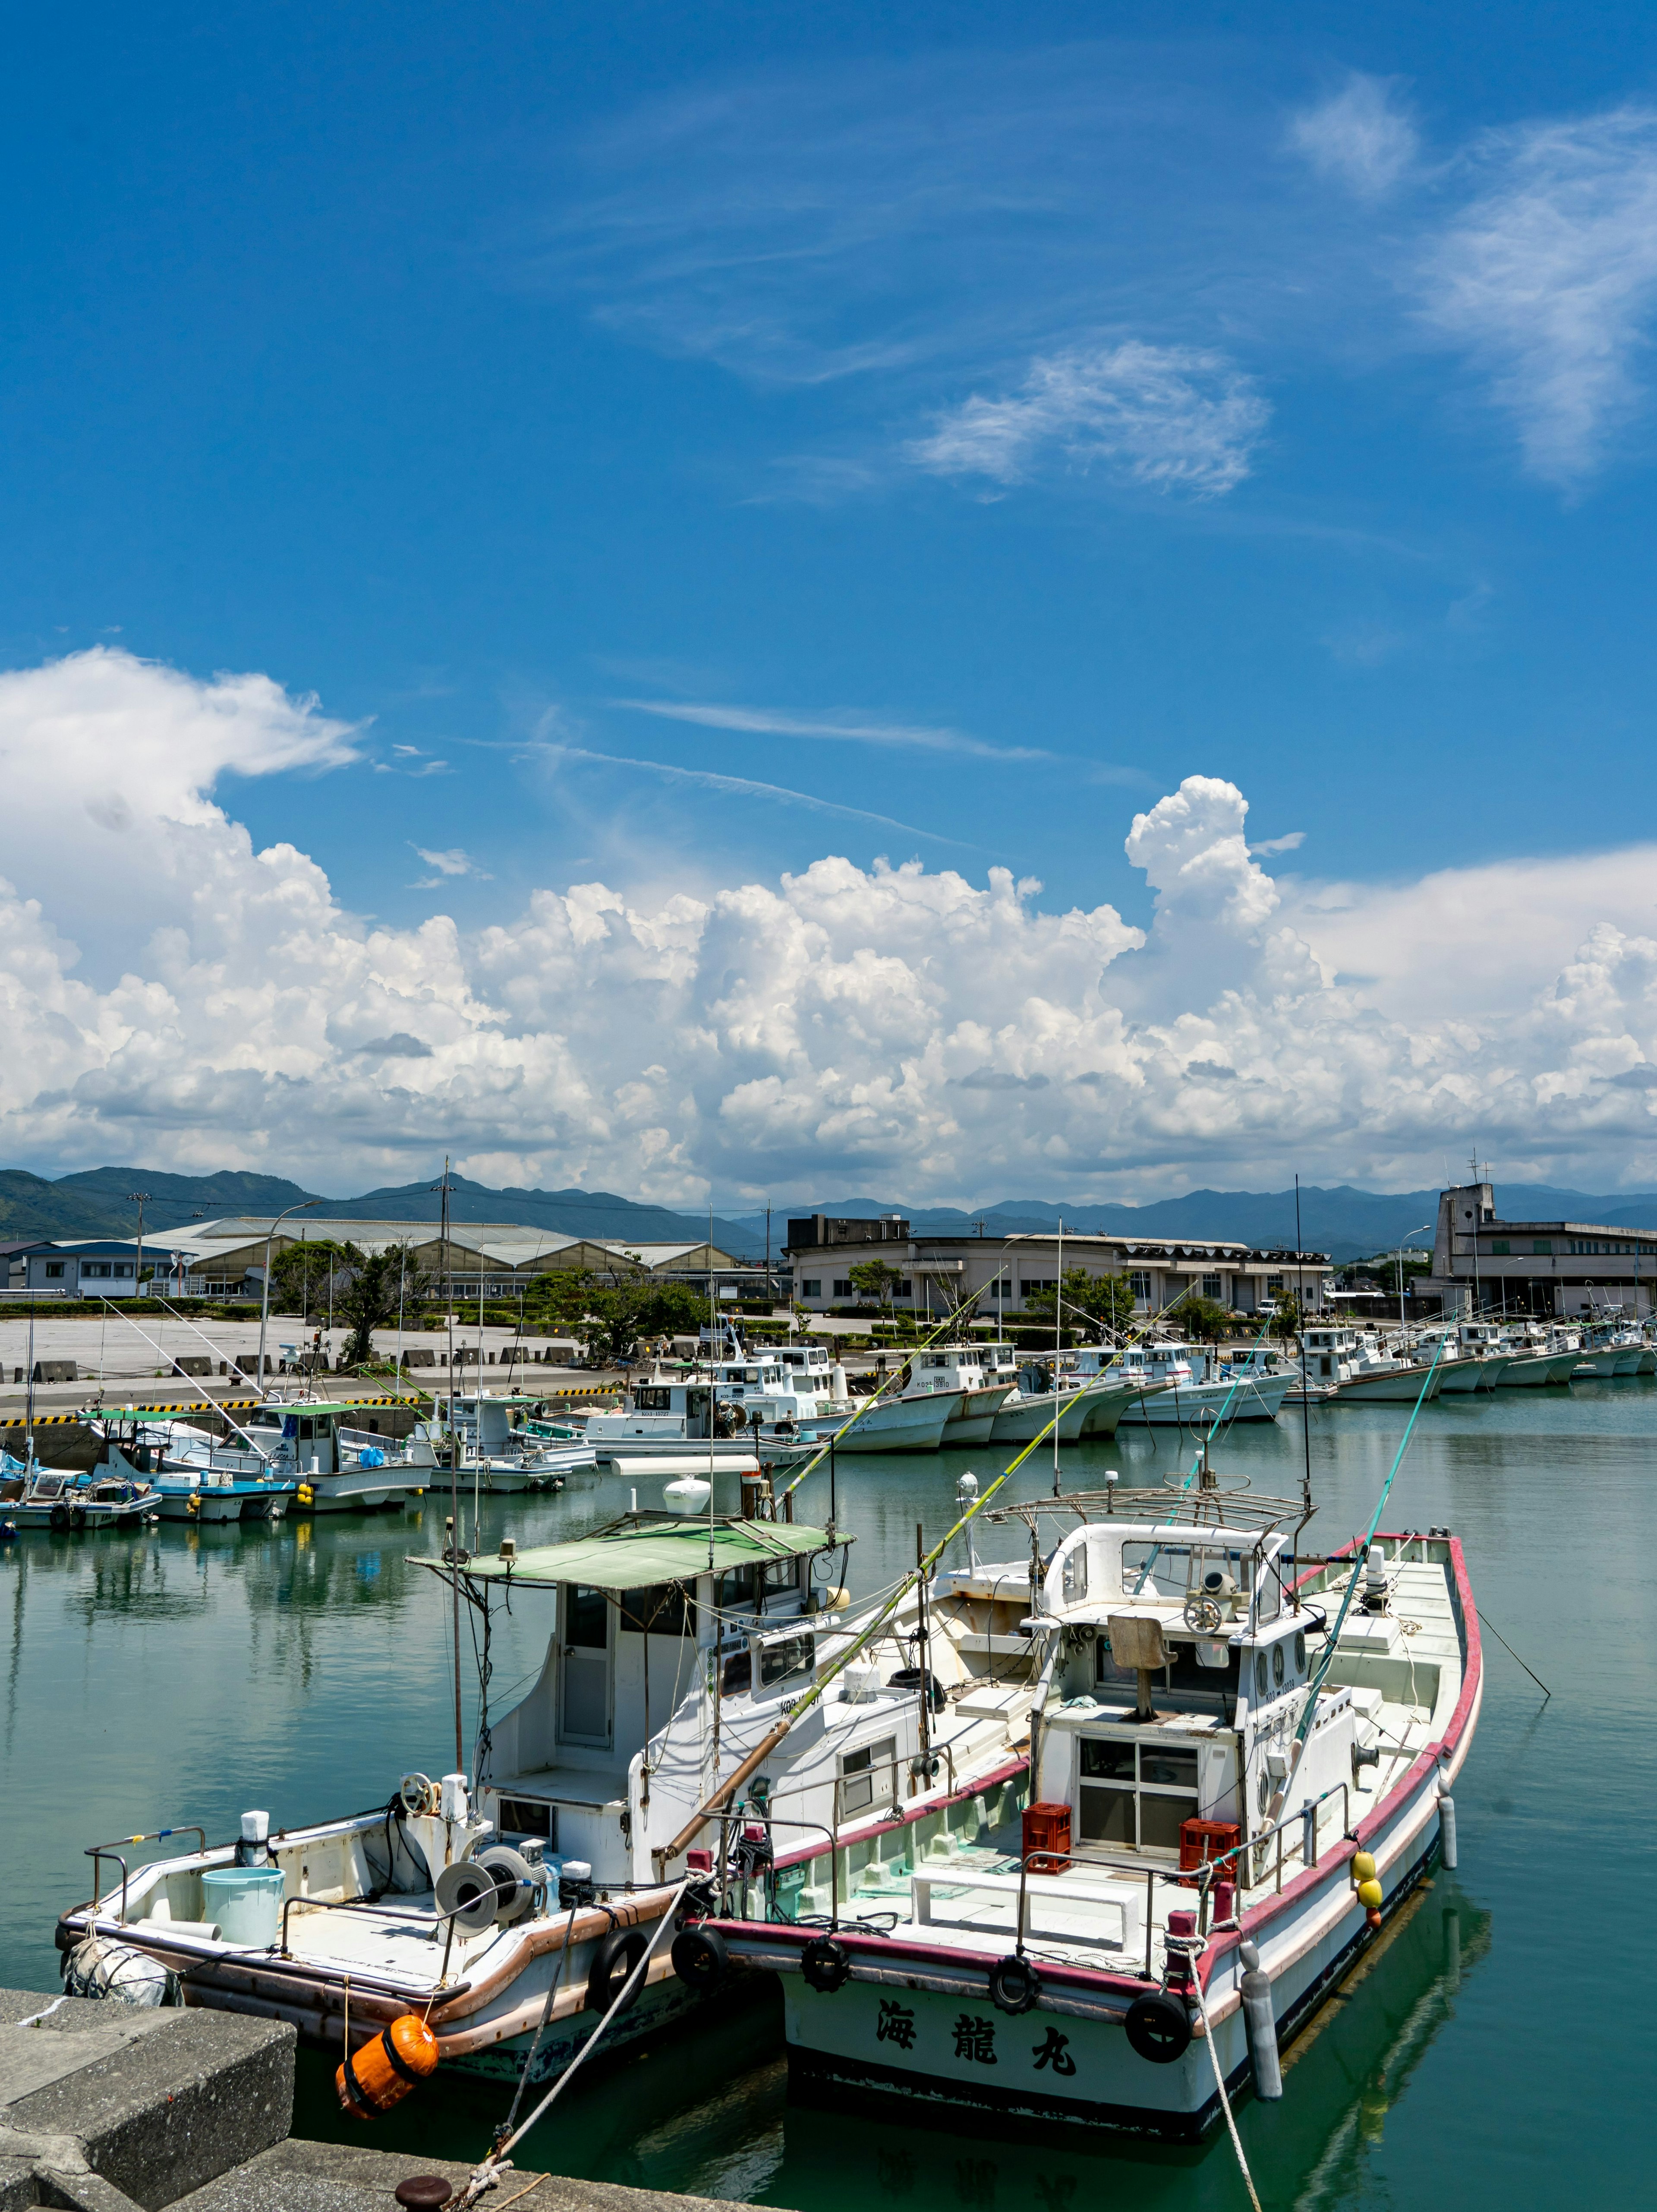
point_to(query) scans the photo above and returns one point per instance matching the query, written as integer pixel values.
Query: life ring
(77, 1517)
(1014, 1984)
(826, 1965)
(700, 1958)
(618, 1954)
(58, 1518)
(1158, 2027)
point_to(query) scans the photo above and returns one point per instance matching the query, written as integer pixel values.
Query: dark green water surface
(1498, 2049)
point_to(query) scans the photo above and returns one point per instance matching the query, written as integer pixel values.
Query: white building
(1483, 1263)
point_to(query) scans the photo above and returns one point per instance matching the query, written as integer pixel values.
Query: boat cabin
(1178, 1683)
(303, 1434)
(1328, 1351)
(959, 1367)
(640, 1625)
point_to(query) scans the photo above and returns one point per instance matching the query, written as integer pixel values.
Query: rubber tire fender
(700, 1958)
(1014, 1984)
(1158, 2027)
(826, 1965)
(618, 1954)
(77, 1517)
(58, 1518)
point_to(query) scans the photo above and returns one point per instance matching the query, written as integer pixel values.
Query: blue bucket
(246, 1902)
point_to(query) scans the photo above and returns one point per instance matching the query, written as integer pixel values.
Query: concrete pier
(104, 2108)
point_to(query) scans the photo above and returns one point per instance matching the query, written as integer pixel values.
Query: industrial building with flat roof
(1484, 1264)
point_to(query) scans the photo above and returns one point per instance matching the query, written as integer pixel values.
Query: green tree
(1101, 1305)
(1205, 1319)
(1286, 1316)
(373, 1287)
(299, 1276)
(873, 1279)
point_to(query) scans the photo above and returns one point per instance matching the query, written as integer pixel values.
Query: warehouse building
(1484, 1263)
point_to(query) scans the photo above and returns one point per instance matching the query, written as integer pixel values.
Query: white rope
(487, 2175)
(1219, 2083)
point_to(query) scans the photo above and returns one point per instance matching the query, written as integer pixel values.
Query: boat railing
(99, 1852)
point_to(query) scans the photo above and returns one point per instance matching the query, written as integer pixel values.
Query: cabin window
(736, 1590)
(867, 1775)
(792, 1661)
(1076, 1574)
(781, 1574)
(304, 1430)
(663, 1609)
(1135, 1794)
(527, 1816)
(647, 1400)
(586, 1623)
(1203, 1669)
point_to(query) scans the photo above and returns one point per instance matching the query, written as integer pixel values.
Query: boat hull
(894, 1424)
(973, 1424)
(1200, 1403)
(1533, 1371)
(1022, 1418)
(1401, 1389)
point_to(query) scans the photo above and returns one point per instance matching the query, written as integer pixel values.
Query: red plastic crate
(1203, 1840)
(1047, 1832)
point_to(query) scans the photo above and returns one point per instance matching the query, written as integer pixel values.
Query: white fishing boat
(979, 1377)
(338, 1468)
(1350, 1364)
(1535, 1359)
(1236, 1783)
(198, 1475)
(1084, 1407)
(683, 1707)
(1472, 1359)
(492, 1441)
(1182, 1387)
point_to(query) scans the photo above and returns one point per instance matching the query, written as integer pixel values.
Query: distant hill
(93, 1203)
(1347, 1223)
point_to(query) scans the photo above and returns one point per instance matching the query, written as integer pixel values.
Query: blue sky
(683, 451)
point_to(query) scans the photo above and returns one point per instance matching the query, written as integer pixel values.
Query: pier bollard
(1256, 1992)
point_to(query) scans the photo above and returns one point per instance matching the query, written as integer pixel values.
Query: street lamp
(1399, 1255)
(264, 1303)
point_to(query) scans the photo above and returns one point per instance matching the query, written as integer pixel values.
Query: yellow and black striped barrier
(176, 1406)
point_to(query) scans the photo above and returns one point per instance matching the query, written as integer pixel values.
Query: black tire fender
(77, 1517)
(618, 1954)
(826, 1965)
(700, 1958)
(1158, 2027)
(58, 1518)
(1014, 1984)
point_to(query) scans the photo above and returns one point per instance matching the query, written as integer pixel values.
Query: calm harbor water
(1499, 2041)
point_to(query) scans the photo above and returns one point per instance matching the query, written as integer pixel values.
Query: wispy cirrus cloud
(765, 722)
(1172, 418)
(1360, 136)
(749, 787)
(1547, 277)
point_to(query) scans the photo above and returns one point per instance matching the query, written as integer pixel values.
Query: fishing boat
(1183, 1387)
(1347, 1365)
(1083, 1405)
(1238, 1777)
(682, 1665)
(496, 1439)
(197, 1475)
(1535, 1359)
(36, 1497)
(1472, 1359)
(338, 1468)
(979, 1377)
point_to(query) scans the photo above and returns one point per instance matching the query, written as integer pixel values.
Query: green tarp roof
(634, 1558)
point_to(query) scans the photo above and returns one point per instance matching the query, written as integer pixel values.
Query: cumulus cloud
(904, 1026)
(1360, 136)
(1176, 418)
(1548, 277)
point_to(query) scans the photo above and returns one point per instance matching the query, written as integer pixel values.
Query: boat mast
(1058, 1342)
(454, 1476)
(1306, 1403)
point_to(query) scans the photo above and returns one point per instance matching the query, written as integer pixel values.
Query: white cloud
(1291, 842)
(765, 721)
(1174, 417)
(1548, 278)
(447, 865)
(907, 1027)
(1359, 136)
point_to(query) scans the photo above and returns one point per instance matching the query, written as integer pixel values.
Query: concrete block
(153, 2103)
(313, 2177)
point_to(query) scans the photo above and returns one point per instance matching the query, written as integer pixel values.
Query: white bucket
(246, 1902)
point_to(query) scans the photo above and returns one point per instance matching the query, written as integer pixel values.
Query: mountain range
(1345, 1221)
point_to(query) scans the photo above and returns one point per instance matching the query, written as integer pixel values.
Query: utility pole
(140, 1199)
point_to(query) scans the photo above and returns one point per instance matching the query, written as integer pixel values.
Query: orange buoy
(373, 2079)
